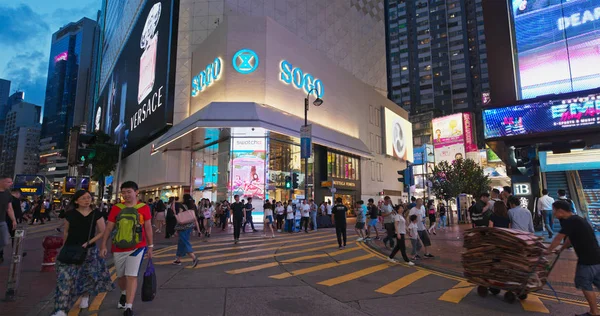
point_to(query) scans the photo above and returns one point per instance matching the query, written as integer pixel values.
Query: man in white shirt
(289, 223)
(305, 211)
(544, 208)
(329, 208)
(419, 211)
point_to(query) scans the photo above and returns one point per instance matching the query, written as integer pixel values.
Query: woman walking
(208, 212)
(184, 246)
(171, 221)
(431, 212)
(268, 219)
(226, 215)
(77, 276)
(279, 210)
(160, 217)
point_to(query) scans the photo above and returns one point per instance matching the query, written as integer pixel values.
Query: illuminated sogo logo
(300, 80)
(207, 76)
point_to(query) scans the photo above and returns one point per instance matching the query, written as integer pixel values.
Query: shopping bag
(149, 283)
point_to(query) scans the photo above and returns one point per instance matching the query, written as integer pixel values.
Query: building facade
(22, 134)
(242, 126)
(436, 55)
(68, 87)
(52, 161)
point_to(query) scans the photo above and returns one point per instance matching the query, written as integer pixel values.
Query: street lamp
(318, 101)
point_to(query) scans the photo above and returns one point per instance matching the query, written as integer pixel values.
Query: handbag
(186, 217)
(149, 283)
(75, 254)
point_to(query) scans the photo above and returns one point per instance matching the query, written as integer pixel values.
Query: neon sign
(245, 61)
(299, 79)
(207, 77)
(61, 56)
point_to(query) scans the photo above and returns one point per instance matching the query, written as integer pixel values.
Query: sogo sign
(207, 76)
(299, 79)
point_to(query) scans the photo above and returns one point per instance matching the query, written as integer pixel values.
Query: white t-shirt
(208, 212)
(305, 210)
(401, 224)
(329, 209)
(279, 210)
(268, 212)
(413, 231)
(298, 214)
(290, 212)
(322, 208)
(420, 212)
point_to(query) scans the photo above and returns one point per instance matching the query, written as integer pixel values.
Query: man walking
(6, 209)
(481, 212)
(313, 214)
(562, 196)
(305, 212)
(128, 245)
(373, 214)
(544, 209)
(339, 218)
(419, 211)
(520, 218)
(249, 209)
(360, 220)
(576, 231)
(239, 217)
(388, 221)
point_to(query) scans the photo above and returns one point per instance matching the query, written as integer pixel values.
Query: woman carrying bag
(79, 268)
(186, 222)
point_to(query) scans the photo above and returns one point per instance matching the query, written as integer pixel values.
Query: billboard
(136, 104)
(398, 136)
(542, 117)
(70, 185)
(30, 185)
(557, 45)
(453, 137)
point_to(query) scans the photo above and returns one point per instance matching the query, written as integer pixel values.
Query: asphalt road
(306, 274)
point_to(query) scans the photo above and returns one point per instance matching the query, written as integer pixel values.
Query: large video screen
(542, 117)
(136, 104)
(398, 136)
(557, 45)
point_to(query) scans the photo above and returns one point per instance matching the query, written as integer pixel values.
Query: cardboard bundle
(506, 259)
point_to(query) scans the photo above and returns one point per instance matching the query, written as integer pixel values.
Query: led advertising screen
(448, 138)
(542, 117)
(248, 156)
(398, 136)
(30, 185)
(136, 104)
(557, 45)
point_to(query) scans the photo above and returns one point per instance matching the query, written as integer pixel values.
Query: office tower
(436, 56)
(21, 141)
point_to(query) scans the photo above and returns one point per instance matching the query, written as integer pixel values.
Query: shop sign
(245, 61)
(522, 189)
(30, 191)
(344, 183)
(299, 79)
(207, 77)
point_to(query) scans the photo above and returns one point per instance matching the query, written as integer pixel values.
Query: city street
(307, 274)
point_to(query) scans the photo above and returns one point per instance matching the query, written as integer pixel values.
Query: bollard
(12, 284)
(51, 245)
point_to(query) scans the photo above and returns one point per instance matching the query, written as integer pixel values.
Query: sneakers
(59, 313)
(128, 312)
(410, 263)
(428, 255)
(236, 241)
(392, 260)
(122, 302)
(177, 263)
(279, 230)
(359, 239)
(85, 302)
(195, 263)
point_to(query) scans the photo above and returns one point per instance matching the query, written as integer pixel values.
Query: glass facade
(342, 167)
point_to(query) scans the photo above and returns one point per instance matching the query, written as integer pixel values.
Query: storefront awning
(249, 114)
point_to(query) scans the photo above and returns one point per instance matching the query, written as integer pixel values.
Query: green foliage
(461, 176)
(105, 160)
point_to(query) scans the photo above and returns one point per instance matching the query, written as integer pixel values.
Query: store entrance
(349, 201)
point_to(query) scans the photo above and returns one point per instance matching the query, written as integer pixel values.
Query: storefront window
(342, 167)
(211, 169)
(284, 159)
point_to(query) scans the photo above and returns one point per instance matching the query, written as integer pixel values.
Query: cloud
(28, 72)
(20, 24)
(63, 16)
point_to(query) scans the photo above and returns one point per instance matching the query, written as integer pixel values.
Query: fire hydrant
(51, 245)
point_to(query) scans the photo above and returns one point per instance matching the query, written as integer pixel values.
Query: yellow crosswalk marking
(534, 304)
(75, 310)
(354, 275)
(274, 264)
(95, 305)
(319, 267)
(271, 255)
(233, 254)
(393, 287)
(236, 247)
(457, 292)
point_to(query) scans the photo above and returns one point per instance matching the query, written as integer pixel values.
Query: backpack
(128, 227)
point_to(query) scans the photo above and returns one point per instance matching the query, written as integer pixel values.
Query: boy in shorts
(361, 217)
(136, 217)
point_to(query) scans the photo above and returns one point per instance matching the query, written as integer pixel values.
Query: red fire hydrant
(51, 245)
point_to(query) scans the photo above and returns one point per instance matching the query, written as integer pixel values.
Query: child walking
(414, 237)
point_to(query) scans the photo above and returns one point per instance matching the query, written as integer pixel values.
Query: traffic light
(288, 182)
(109, 192)
(405, 176)
(84, 153)
(294, 180)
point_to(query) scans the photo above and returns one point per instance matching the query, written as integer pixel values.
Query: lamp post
(318, 101)
(427, 155)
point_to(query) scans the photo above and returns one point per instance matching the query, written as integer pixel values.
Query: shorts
(209, 222)
(128, 263)
(160, 216)
(269, 218)
(373, 222)
(360, 225)
(586, 276)
(424, 236)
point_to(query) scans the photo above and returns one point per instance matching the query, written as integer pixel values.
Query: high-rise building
(69, 87)
(436, 56)
(4, 93)
(21, 141)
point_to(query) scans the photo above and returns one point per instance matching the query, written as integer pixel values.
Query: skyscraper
(21, 141)
(4, 93)
(69, 86)
(436, 56)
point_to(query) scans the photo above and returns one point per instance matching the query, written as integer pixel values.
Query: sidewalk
(447, 247)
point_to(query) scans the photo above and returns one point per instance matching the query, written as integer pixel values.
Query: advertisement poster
(398, 136)
(541, 117)
(136, 104)
(470, 141)
(248, 156)
(557, 45)
(448, 138)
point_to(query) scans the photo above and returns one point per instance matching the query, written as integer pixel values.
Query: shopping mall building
(235, 98)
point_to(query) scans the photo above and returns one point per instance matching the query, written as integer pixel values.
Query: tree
(461, 176)
(105, 160)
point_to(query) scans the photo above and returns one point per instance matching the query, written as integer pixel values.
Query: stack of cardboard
(506, 259)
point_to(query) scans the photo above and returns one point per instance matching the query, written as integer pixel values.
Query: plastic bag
(149, 283)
